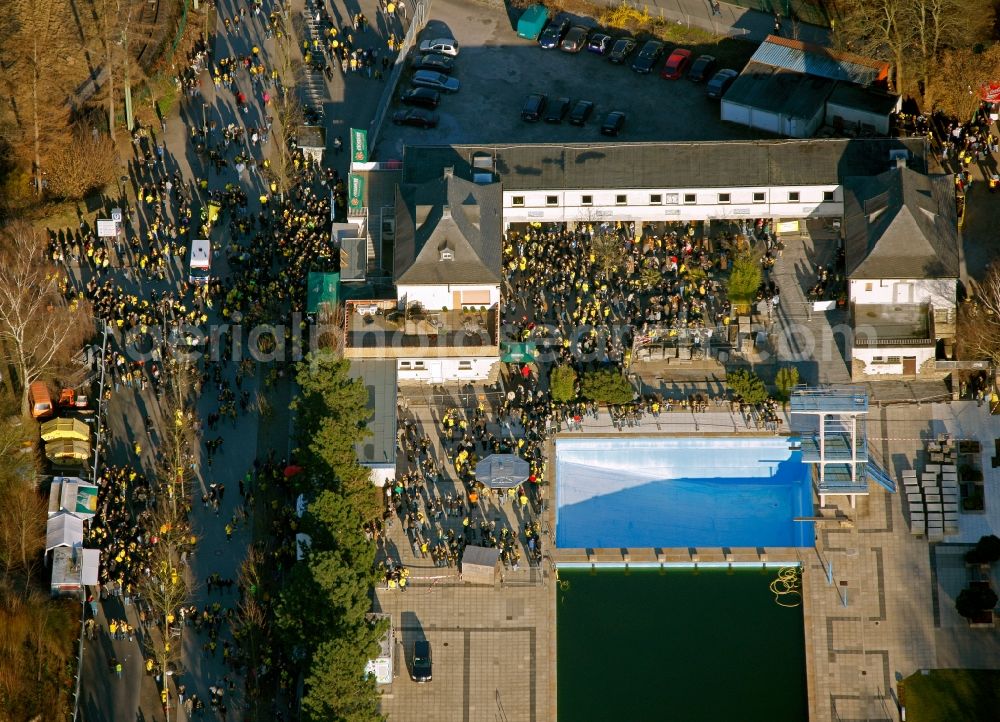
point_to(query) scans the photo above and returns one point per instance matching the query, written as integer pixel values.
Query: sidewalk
(732, 20)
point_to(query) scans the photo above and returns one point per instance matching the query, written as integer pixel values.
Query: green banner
(355, 192)
(359, 145)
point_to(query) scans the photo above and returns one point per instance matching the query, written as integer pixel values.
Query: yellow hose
(787, 583)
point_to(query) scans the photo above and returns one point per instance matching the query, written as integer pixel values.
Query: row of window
(659, 199)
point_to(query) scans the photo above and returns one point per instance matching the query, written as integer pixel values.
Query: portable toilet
(532, 22)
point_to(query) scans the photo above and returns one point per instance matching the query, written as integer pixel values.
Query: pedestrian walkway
(729, 20)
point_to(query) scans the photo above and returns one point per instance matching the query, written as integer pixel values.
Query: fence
(421, 11)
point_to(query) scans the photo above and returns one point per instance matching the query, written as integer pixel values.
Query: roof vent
(447, 254)
(898, 157)
(449, 171)
(445, 212)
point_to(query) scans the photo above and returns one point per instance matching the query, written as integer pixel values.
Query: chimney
(900, 161)
(449, 171)
(445, 212)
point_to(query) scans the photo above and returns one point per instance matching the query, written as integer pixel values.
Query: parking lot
(498, 70)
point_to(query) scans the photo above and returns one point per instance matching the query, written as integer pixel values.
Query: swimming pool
(690, 491)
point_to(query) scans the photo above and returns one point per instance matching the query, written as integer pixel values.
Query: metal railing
(421, 11)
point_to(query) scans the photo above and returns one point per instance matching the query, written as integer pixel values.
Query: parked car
(431, 61)
(620, 51)
(613, 123)
(720, 83)
(421, 670)
(702, 69)
(534, 106)
(421, 97)
(554, 33)
(676, 64)
(40, 400)
(417, 117)
(580, 112)
(599, 43)
(557, 110)
(437, 81)
(648, 56)
(575, 39)
(441, 46)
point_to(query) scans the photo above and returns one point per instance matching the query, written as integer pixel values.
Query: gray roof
(901, 224)
(782, 91)
(448, 214)
(353, 259)
(379, 378)
(723, 164)
(870, 101)
(818, 61)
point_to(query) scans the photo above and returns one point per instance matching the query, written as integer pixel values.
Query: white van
(200, 261)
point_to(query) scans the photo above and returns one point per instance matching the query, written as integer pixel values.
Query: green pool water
(678, 645)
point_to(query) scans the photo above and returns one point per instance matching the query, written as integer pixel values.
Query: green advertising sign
(359, 145)
(355, 192)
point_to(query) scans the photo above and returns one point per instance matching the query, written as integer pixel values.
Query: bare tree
(39, 329)
(958, 77)
(940, 24)
(88, 162)
(287, 119)
(879, 29)
(177, 441)
(606, 248)
(979, 320)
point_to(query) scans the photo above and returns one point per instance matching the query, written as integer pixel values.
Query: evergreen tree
(606, 386)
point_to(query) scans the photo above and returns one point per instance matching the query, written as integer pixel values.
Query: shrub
(786, 380)
(744, 279)
(747, 386)
(562, 383)
(607, 386)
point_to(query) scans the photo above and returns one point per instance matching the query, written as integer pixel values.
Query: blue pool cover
(712, 491)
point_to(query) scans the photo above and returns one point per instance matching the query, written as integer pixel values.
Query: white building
(903, 267)
(443, 324)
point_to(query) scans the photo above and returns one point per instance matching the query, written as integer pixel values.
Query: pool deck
(501, 641)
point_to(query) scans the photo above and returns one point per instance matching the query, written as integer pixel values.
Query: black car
(420, 671)
(613, 124)
(557, 111)
(421, 97)
(720, 83)
(648, 56)
(575, 39)
(554, 33)
(416, 117)
(599, 43)
(701, 69)
(533, 108)
(620, 51)
(580, 112)
(438, 63)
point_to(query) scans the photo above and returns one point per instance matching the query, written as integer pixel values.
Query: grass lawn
(952, 695)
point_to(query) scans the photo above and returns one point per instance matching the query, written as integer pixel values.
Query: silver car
(442, 46)
(437, 81)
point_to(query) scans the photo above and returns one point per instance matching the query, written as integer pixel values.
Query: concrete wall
(887, 362)
(439, 370)
(938, 292)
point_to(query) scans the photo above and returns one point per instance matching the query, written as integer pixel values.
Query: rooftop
(723, 164)
(448, 230)
(874, 324)
(783, 91)
(379, 378)
(819, 61)
(868, 99)
(834, 399)
(901, 224)
(377, 329)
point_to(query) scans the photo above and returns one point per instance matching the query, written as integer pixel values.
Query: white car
(443, 46)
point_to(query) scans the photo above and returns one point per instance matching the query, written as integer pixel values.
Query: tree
(979, 320)
(88, 162)
(786, 379)
(880, 29)
(940, 24)
(39, 330)
(288, 116)
(747, 386)
(336, 688)
(333, 418)
(606, 248)
(974, 600)
(606, 386)
(986, 551)
(958, 76)
(744, 279)
(562, 383)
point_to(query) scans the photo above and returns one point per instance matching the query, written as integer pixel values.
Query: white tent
(73, 495)
(74, 568)
(63, 530)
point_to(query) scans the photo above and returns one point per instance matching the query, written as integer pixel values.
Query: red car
(676, 64)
